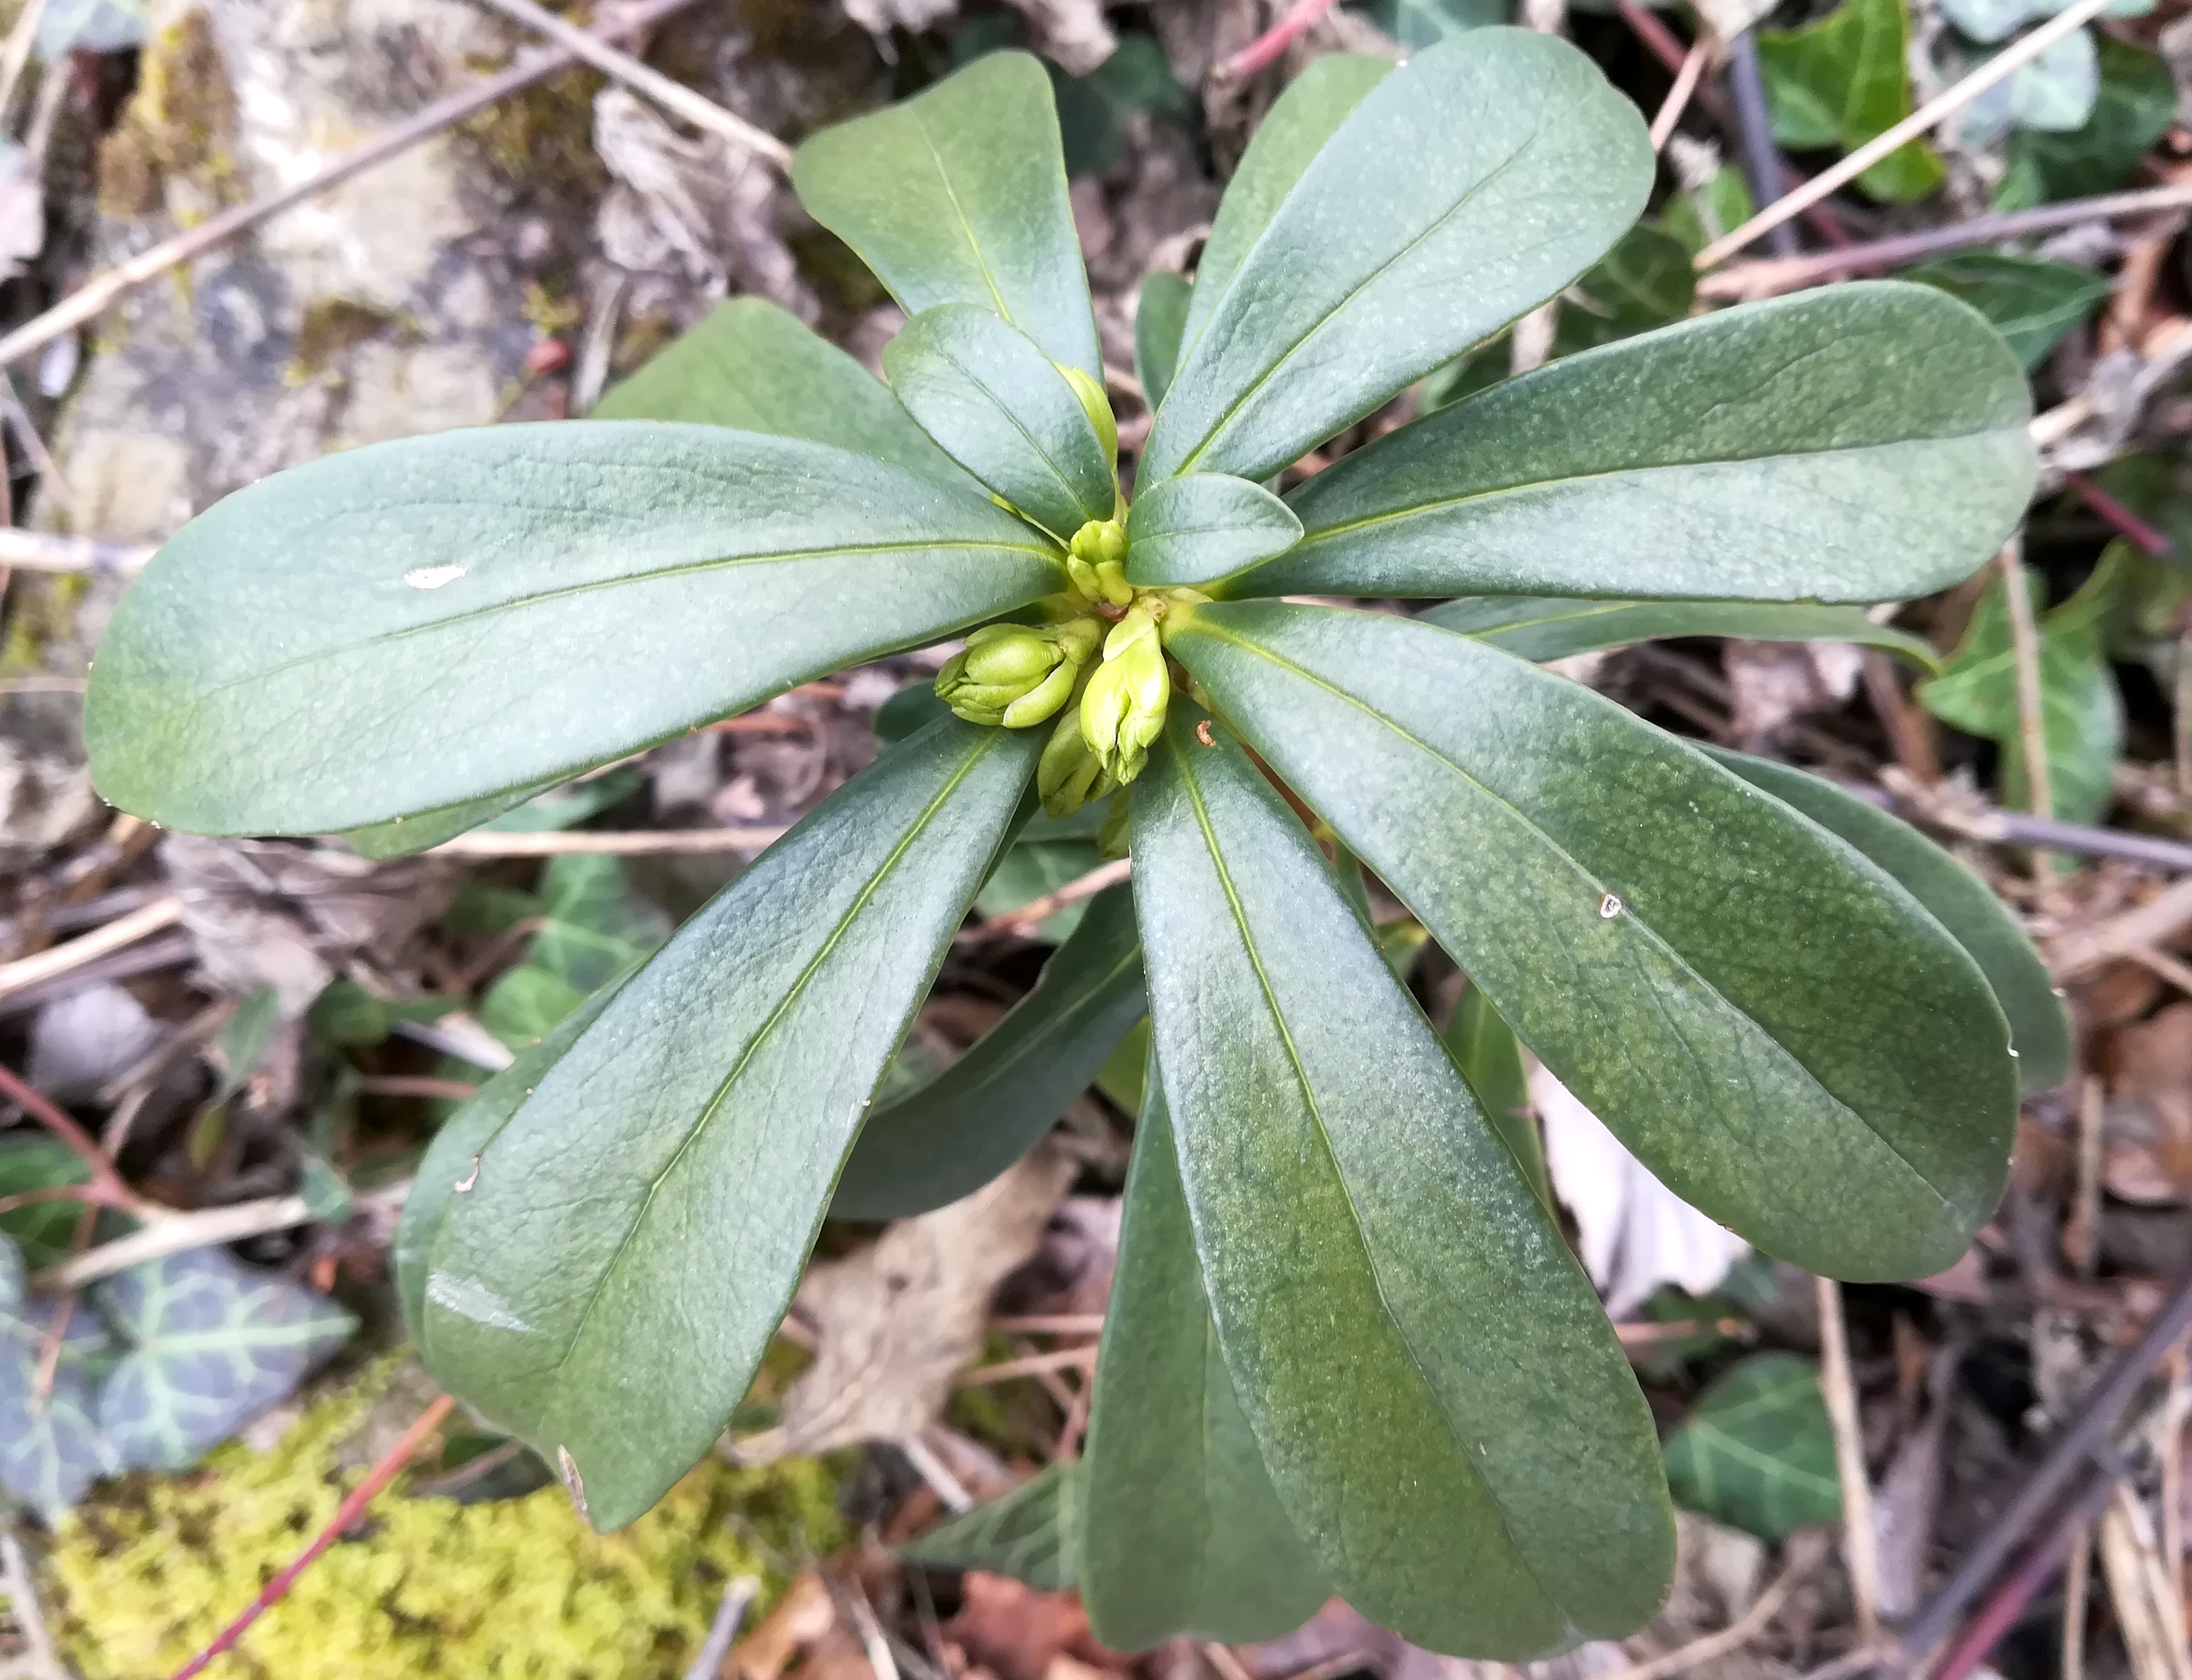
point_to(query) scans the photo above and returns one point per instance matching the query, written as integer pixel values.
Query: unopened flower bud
(1096, 561)
(1122, 711)
(1068, 776)
(1017, 675)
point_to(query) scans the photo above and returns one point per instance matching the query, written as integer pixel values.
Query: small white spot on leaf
(470, 1300)
(432, 577)
(1609, 907)
(469, 1179)
(573, 1481)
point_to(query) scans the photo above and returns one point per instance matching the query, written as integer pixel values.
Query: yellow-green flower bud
(1067, 775)
(1096, 561)
(1017, 675)
(1098, 406)
(1122, 710)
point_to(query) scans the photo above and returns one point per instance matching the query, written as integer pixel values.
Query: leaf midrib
(1643, 927)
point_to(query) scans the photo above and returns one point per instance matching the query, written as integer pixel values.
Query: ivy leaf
(2054, 93)
(2134, 108)
(42, 1234)
(1094, 110)
(670, 1170)
(1542, 627)
(1990, 21)
(1846, 1104)
(1864, 442)
(428, 601)
(2081, 713)
(989, 396)
(991, 1106)
(1160, 318)
(1420, 23)
(68, 26)
(1029, 1534)
(2032, 304)
(1758, 1451)
(210, 1343)
(1355, 1212)
(957, 196)
(1349, 295)
(1843, 81)
(755, 367)
(1645, 280)
(2040, 1025)
(1181, 1532)
(1202, 526)
(51, 1448)
(594, 928)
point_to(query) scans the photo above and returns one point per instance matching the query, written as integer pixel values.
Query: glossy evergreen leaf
(1181, 1532)
(51, 1449)
(402, 836)
(2135, 105)
(2054, 93)
(1483, 1480)
(1758, 1451)
(1293, 132)
(1840, 82)
(405, 626)
(1402, 244)
(2032, 304)
(1160, 318)
(755, 367)
(1540, 628)
(2040, 1025)
(1029, 1534)
(453, 1158)
(989, 396)
(1490, 1056)
(991, 1105)
(606, 1288)
(1419, 23)
(44, 1231)
(2080, 709)
(209, 1343)
(1634, 912)
(1203, 528)
(1862, 442)
(958, 196)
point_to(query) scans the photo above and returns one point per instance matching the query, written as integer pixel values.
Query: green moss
(181, 123)
(332, 325)
(540, 142)
(143, 1580)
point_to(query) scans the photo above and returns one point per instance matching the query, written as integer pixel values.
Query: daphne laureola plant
(1348, 1351)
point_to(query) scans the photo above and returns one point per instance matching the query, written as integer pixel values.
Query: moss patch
(181, 123)
(143, 1579)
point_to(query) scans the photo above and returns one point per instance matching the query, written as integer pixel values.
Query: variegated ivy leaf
(50, 1445)
(211, 1343)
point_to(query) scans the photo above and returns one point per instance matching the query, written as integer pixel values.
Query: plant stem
(352, 1508)
(2031, 714)
(1761, 162)
(1858, 1540)
(1264, 50)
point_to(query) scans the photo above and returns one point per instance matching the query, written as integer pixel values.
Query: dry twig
(1033, 914)
(1733, 1637)
(609, 843)
(2031, 713)
(169, 1232)
(122, 930)
(1859, 1537)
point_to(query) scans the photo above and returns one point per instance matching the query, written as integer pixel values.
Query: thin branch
(1859, 1538)
(171, 1233)
(1770, 276)
(2005, 1607)
(674, 97)
(1265, 49)
(1943, 105)
(1059, 1359)
(39, 1659)
(724, 1631)
(2148, 539)
(2076, 1591)
(1033, 914)
(2031, 705)
(1699, 1652)
(2081, 1228)
(2167, 913)
(22, 550)
(91, 299)
(413, 1084)
(1678, 96)
(122, 932)
(1763, 161)
(352, 1508)
(609, 843)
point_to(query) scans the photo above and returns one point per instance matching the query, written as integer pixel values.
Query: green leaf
(594, 928)
(1028, 1534)
(402, 836)
(987, 393)
(1292, 133)
(1990, 21)
(1420, 23)
(2032, 304)
(958, 196)
(992, 1105)
(51, 1450)
(2081, 710)
(607, 1287)
(44, 1231)
(1758, 1452)
(1842, 81)
(1204, 527)
(1181, 1532)
(1095, 111)
(1645, 281)
(1483, 1481)
(2039, 1026)
(1541, 628)
(211, 1343)
(1401, 245)
(242, 1043)
(1845, 1103)
(1702, 214)
(453, 1158)
(2137, 103)
(1490, 1056)
(479, 611)
(1864, 442)
(1160, 318)
(755, 367)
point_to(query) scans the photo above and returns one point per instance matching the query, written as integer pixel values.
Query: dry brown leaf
(2147, 1123)
(804, 1616)
(1071, 34)
(1773, 683)
(2139, 1588)
(1017, 1633)
(898, 1321)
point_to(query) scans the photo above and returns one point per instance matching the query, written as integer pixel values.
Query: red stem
(2120, 518)
(55, 1119)
(351, 1510)
(1265, 49)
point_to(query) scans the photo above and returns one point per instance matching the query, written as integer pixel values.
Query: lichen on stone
(180, 125)
(144, 1577)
